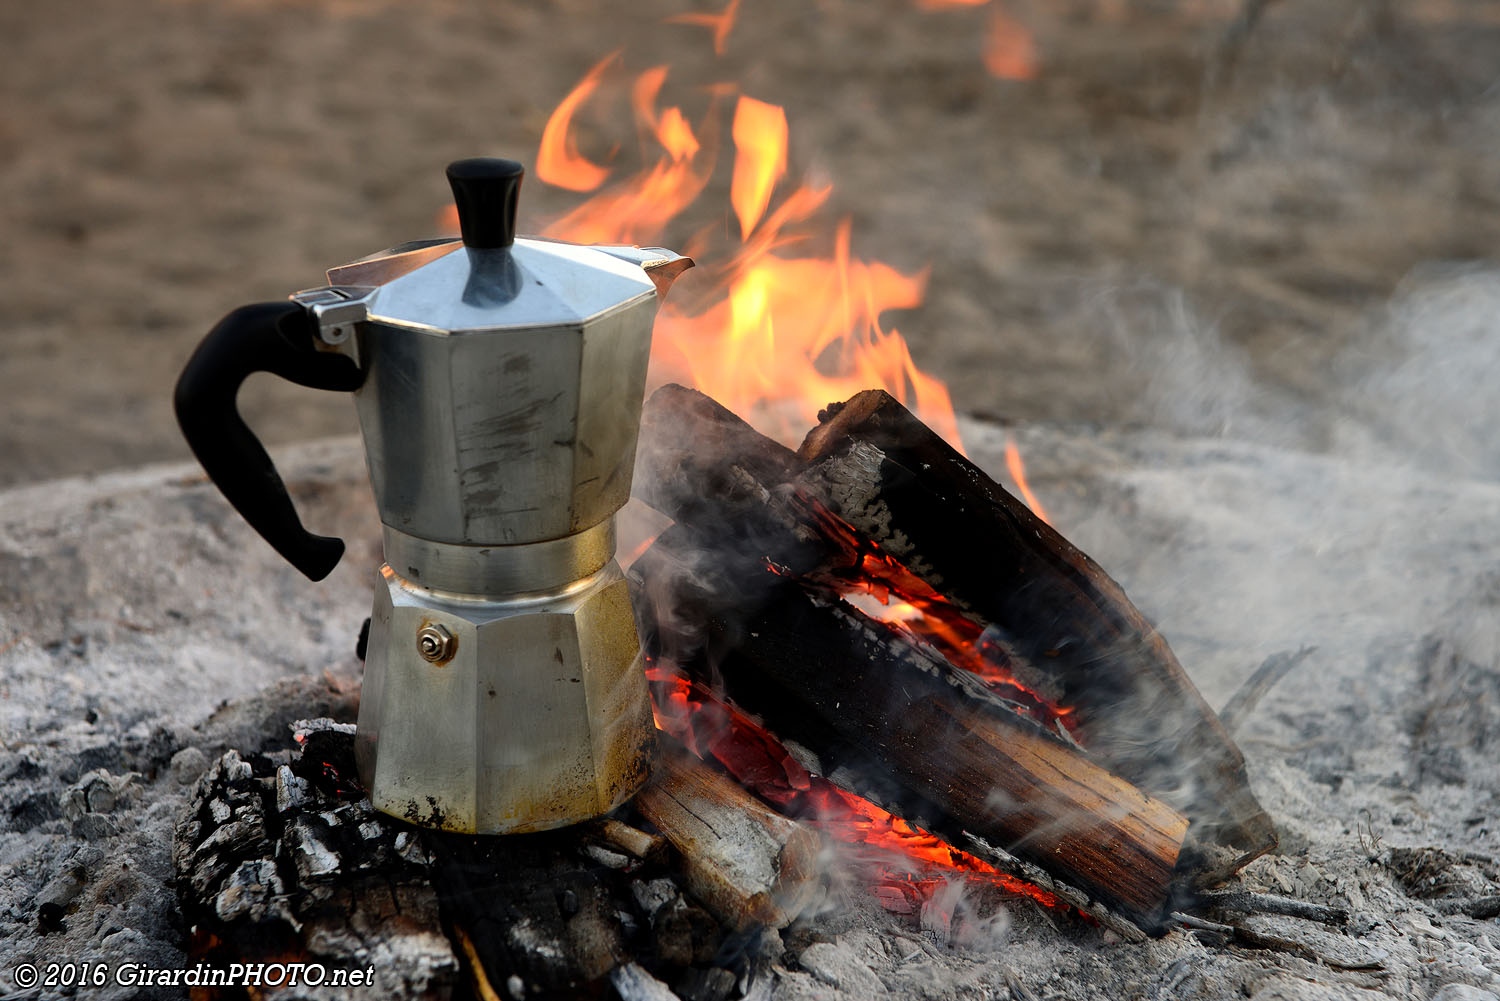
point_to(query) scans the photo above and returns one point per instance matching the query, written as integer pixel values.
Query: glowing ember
(876, 604)
(1017, 470)
(878, 585)
(627, 559)
(909, 862)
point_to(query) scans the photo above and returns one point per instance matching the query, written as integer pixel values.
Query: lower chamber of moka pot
(500, 716)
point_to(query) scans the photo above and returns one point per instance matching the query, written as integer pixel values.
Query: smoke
(1190, 380)
(1412, 382)
(1422, 386)
(958, 916)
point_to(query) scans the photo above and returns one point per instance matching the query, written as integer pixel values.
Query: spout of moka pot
(662, 266)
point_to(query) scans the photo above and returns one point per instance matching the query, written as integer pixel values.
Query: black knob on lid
(485, 190)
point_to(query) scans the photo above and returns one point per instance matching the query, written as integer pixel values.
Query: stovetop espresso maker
(499, 384)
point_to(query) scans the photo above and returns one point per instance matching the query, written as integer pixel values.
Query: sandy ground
(1145, 232)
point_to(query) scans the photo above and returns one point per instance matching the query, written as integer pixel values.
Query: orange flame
(907, 861)
(881, 588)
(760, 136)
(636, 209)
(558, 161)
(772, 335)
(1017, 470)
(720, 24)
(1009, 49)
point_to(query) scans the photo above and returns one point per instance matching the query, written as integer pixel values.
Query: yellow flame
(760, 136)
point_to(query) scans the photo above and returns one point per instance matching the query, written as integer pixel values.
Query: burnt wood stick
(1254, 688)
(745, 862)
(531, 906)
(897, 481)
(696, 459)
(819, 672)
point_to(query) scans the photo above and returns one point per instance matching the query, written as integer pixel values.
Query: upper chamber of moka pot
(503, 377)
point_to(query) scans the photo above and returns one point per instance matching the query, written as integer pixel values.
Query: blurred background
(1265, 219)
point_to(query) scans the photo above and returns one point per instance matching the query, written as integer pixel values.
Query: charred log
(859, 694)
(697, 460)
(1058, 622)
(274, 867)
(897, 481)
(538, 913)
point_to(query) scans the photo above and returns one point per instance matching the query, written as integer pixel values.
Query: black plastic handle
(275, 337)
(485, 192)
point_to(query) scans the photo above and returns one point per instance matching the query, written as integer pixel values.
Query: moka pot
(499, 384)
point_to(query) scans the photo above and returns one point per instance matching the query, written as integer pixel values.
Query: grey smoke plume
(1425, 386)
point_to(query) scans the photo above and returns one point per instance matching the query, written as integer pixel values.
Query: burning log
(747, 863)
(1135, 709)
(874, 487)
(867, 699)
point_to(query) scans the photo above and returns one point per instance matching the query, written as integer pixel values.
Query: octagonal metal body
(503, 389)
(539, 718)
(500, 406)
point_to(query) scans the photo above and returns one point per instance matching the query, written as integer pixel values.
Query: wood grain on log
(744, 861)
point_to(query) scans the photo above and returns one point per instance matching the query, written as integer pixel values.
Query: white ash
(634, 984)
(270, 882)
(652, 895)
(143, 630)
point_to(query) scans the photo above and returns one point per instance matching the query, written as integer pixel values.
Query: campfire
(865, 656)
(870, 663)
(1012, 669)
(868, 660)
